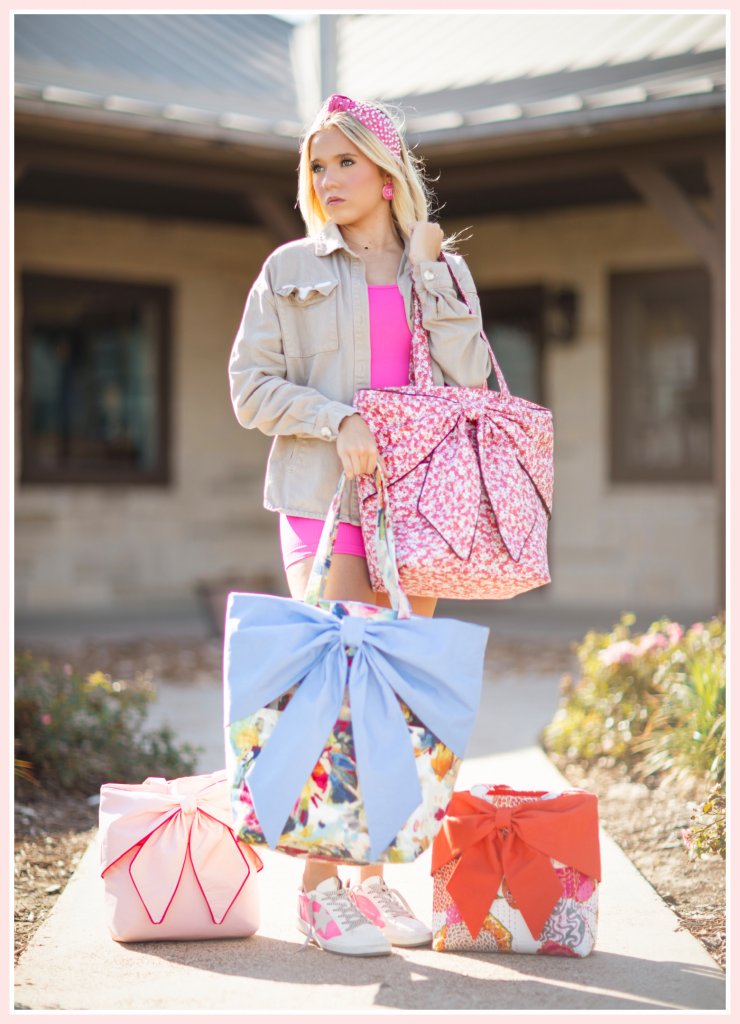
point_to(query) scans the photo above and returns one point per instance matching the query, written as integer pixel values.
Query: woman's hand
(356, 447)
(425, 241)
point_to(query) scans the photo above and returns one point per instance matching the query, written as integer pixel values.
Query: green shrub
(687, 730)
(78, 731)
(654, 702)
(608, 708)
(706, 836)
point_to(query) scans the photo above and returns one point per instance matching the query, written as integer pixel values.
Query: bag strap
(502, 385)
(385, 549)
(420, 367)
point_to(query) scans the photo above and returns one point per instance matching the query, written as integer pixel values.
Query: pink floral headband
(373, 119)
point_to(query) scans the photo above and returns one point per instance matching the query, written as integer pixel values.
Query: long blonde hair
(411, 195)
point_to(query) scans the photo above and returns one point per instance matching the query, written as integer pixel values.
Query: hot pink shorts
(299, 539)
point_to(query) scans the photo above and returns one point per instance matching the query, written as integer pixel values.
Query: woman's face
(347, 183)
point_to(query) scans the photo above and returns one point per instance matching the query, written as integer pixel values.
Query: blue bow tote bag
(346, 723)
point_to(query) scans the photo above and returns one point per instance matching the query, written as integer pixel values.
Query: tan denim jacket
(303, 349)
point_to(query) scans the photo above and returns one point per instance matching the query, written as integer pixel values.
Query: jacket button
(326, 432)
(428, 275)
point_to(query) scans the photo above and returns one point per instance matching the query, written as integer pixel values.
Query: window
(95, 398)
(513, 322)
(660, 376)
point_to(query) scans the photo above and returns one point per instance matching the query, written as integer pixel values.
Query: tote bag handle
(384, 546)
(421, 359)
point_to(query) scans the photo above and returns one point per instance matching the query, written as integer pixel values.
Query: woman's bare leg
(348, 580)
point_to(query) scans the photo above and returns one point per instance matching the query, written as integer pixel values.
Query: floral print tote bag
(470, 482)
(346, 723)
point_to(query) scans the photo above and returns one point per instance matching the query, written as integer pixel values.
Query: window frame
(33, 284)
(625, 285)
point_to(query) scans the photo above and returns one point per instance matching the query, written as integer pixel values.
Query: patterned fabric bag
(517, 872)
(470, 481)
(346, 723)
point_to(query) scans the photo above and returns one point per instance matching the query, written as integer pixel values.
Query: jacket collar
(330, 238)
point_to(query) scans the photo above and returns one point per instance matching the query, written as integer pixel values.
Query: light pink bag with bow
(469, 482)
(172, 864)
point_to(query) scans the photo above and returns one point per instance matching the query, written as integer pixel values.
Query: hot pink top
(390, 356)
(390, 337)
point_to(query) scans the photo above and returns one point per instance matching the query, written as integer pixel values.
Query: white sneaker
(329, 917)
(387, 909)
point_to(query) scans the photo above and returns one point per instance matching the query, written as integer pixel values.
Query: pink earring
(388, 190)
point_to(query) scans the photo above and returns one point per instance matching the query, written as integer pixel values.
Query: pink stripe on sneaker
(368, 908)
(330, 932)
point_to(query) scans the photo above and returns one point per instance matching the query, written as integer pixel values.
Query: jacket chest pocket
(308, 315)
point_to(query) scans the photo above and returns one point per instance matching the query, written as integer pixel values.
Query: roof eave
(282, 138)
(580, 123)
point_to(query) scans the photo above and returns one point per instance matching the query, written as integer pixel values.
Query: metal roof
(187, 67)
(439, 51)
(245, 77)
(471, 74)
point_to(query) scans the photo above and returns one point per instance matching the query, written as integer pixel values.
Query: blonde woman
(329, 314)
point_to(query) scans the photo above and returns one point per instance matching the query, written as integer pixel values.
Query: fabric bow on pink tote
(172, 864)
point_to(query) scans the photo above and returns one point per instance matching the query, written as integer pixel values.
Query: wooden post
(666, 197)
(274, 214)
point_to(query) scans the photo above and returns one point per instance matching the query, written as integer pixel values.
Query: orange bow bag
(517, 872)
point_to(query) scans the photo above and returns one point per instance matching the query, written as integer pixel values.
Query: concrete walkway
(644, 959)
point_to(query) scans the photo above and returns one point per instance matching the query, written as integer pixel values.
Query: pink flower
(651, 642)
(46, 719)
(675, 632)
(619, 653)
